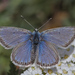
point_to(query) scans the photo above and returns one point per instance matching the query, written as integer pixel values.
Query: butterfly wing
(21, 54)
(12, 36)
(61, 37)
(47, 56)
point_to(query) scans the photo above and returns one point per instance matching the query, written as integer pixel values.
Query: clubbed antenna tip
(44, 24)
(27, 21)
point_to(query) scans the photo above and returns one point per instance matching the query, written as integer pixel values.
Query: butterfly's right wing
(21, 54)
(12, 36)
(62, 36)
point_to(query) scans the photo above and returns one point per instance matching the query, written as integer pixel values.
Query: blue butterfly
(29, 47)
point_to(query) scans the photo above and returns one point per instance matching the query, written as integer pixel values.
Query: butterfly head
(36, 30)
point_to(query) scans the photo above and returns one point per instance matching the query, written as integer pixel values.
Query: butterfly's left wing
(47, 56)
(12, 36)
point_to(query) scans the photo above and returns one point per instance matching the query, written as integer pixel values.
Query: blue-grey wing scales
(12, 36)
(21, 54)
(47, 55)
(62, 36)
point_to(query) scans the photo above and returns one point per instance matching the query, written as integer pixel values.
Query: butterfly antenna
(27, 21)
(44, 24)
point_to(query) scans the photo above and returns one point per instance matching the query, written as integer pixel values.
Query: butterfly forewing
(21, 54)
(47, 56)
(61, 37)
(12, 36)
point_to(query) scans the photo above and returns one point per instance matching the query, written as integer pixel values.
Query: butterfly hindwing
(12, 36)
(47, 56)
(21, 54)
(61, 37)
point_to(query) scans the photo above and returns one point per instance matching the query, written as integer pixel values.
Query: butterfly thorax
(36, 38)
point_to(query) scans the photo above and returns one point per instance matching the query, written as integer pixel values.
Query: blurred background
(37, 12)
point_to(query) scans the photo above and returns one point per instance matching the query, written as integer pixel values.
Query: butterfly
(29, 47)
